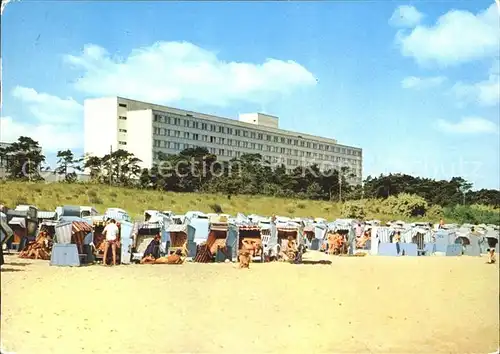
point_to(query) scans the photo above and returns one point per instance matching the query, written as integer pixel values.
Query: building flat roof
(225, 120)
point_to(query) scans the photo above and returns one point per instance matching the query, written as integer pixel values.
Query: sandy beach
(356, 304)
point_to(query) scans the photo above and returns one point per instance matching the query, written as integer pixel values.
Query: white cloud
(406, 16)
(457, 37)
(468, 125)
(57, 124)
(50, 137)
(167, 72)
(420, 83)
(485, 93)
(47, 108)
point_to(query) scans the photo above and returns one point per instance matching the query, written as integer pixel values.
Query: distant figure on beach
(110, 232)
(359, 230)
(244, 258)
(441, 223)
(335, 243)
(491, 256)
(397, 240)
(175, 258)
(361, 241)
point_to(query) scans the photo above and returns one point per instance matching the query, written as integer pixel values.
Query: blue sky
(415, 85)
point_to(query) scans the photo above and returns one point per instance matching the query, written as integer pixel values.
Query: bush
(353, 210)
(407, 205)
(270, 189)
(435, 212)
(474, 214)
(314, 191)
(286, 193)
(20, 201)
(216, 208)
(375, 206)
(95, 200)
(92, 193)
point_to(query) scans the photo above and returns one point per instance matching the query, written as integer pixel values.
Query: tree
(96, 167)
(66, 162)
(120, 168)
(464, 187)
(117, 168)
(23, 159)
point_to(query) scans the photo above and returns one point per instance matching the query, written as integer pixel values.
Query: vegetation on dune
(413, 207)
(47, 196)
(195, 180)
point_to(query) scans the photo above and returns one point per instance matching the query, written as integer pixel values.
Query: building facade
(146, 129)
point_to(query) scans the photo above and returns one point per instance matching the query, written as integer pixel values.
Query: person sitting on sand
(244, 258)
(330, 242)
(491, 256)
(153, 248)
(300, 251)
(361, 242)
(291, 250)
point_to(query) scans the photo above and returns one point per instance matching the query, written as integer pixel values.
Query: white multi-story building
(146, 129)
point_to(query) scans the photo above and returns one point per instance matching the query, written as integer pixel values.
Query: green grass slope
(47, 196)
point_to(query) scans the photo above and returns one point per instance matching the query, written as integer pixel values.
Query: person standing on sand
(441, 223)
(397, 240)
(110, 232)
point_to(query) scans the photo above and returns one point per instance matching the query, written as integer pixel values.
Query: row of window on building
(238, 143)
(284, 151)
(243, 133)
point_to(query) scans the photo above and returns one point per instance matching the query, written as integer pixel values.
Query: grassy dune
(47, 196)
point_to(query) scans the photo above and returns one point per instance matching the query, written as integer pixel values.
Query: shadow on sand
(316, 262)
(6, 270)
(19, 264)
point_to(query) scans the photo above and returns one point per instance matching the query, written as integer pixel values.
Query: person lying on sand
(175, 258)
